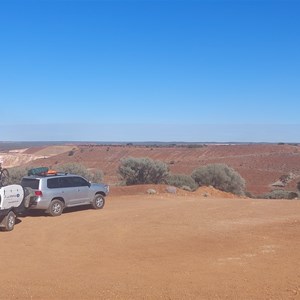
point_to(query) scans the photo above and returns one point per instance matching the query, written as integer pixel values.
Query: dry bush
(182, 180)
(78, 169)
(142, 171)
(16, 174)
(221, 177)
(280, 194)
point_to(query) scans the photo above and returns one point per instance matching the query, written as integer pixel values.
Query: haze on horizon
(192, 71)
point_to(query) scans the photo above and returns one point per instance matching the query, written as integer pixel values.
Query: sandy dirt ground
(160, 246)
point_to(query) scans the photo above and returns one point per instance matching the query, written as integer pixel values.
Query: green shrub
(96, 176)
(186, 188)
(249, 195)
(221, 177)
(73, 168)
(142, 171)
(181, 180)
(16, 174)
(280, 194)
(78, 169)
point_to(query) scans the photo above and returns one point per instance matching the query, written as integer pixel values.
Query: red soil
(260, 165)
(163, 246)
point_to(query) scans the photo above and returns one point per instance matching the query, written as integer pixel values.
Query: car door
(68, 192)
(81, 188)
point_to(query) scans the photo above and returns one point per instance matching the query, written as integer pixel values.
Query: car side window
(65, 182)
(53, 183)
(78, 181)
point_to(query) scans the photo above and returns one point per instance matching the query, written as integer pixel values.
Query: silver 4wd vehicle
(55, 192)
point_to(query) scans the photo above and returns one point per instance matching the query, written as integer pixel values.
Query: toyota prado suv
(57, 191)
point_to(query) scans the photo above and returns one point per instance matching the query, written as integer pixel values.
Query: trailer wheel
(9, 222)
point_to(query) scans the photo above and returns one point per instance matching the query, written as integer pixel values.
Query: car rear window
(30, 182)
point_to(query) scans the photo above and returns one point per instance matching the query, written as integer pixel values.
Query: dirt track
(157, 247)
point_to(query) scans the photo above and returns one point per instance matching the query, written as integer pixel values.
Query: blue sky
(150, 70)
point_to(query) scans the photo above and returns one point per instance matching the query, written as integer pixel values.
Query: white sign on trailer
(11, 196)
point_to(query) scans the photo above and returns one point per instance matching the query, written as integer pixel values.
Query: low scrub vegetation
(221, 177)
(145, 170)
(16, 173)
(78, 169)
(182, 181)
(280, 194)
(142, 171)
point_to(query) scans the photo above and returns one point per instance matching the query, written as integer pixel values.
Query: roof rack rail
(37, 171)
(44, 171)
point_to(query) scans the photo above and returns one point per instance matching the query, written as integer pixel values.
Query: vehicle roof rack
(44, 171)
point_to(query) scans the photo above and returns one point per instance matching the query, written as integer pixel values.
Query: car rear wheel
(98, 201)
(56, 208)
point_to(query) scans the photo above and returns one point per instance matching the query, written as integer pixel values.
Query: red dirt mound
(142, 189)
(209, 191)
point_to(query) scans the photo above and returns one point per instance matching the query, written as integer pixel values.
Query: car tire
(98, 202)
(56, 208)
(9, 222)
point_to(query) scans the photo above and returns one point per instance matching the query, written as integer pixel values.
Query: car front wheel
(98, 202)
